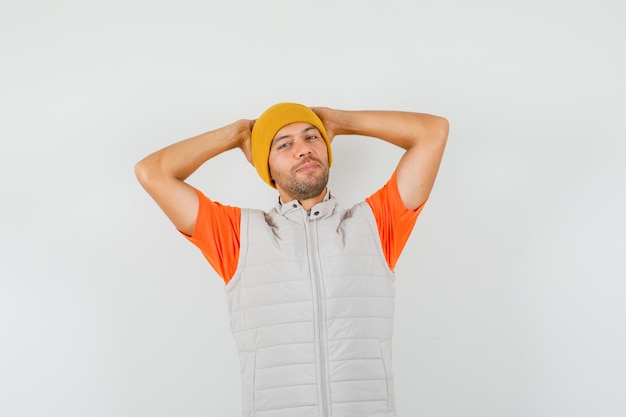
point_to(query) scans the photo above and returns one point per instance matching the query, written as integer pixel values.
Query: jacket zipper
(312, 234)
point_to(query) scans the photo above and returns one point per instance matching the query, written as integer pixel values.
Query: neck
(306, 203)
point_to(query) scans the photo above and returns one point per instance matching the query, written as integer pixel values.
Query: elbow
(433, 132)
(140, 171)
(442, 129)
(430, 130)
(144, 172)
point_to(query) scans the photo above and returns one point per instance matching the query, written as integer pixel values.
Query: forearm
(181, 159)
(403, 129)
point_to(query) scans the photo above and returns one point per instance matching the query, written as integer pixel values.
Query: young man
(310, 285)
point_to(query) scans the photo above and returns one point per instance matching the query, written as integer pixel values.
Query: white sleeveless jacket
(311, 309)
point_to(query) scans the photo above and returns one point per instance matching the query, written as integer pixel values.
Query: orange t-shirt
(216, 232)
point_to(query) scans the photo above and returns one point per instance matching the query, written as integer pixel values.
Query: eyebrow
(287, 136)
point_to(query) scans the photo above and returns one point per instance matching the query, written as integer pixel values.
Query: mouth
(307, 166)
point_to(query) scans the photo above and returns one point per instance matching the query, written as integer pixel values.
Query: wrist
(239, 132)
(342, 122)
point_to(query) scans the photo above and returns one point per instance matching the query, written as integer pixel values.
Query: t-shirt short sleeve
(216, 234)
(395, 222)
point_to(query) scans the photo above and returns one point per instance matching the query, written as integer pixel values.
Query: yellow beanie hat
(269, 123)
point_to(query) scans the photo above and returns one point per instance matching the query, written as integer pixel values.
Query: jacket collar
(321, 210)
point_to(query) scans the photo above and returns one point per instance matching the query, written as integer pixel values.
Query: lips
(307, 165)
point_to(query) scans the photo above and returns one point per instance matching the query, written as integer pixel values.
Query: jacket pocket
(385, 349)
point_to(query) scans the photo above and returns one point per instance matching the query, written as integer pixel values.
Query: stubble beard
(303, 189)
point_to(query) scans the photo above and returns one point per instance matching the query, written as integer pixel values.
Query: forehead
(294, 129)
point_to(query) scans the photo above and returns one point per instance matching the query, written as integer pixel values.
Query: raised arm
(423, 136)
(163, 173)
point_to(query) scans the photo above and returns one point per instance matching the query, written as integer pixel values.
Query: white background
(510, 292)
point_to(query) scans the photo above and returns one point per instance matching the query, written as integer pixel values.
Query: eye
(283, 145)
(311, 137)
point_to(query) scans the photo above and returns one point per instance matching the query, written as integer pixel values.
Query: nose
(302, 148)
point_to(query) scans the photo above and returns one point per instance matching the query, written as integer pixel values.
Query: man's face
(298, 162)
